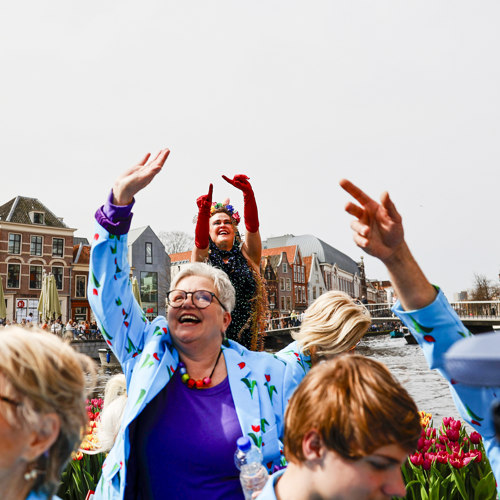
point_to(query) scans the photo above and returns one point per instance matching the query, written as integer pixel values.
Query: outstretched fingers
(388, 204)
(210, 191)
(355, 210)
(227, 179)
(355, 192)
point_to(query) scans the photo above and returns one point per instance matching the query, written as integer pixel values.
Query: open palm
(128, 184)
(378, 227)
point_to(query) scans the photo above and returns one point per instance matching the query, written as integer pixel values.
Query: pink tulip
(416, 459)
(477, 454)
(456, 424)
(447, 421)
(426, 464)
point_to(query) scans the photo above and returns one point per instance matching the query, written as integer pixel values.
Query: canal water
(406, 363)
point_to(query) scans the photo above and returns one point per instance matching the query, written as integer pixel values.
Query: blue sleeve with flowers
(436, 328)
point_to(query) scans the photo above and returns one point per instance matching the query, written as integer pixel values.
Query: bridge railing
(486, 309)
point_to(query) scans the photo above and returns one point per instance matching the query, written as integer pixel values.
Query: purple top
(115, 219)
(183, 444)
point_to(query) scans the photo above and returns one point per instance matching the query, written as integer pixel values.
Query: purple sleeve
(115, 219)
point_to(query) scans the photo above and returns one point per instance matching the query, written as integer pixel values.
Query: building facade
(33, 241)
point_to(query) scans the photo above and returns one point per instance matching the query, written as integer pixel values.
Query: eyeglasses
(201, 298)
(10, 401)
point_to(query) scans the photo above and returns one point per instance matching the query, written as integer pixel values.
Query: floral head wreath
(226, 207)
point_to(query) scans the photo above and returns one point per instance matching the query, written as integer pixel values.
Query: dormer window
(37, 217)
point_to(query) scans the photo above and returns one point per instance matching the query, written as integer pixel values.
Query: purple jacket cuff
(114, 218)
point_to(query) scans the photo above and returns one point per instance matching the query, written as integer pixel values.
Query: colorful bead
(191, 383)
(207, 381)
(184, 377)
(199, 384)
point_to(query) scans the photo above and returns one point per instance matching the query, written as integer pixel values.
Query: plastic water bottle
(248, 459)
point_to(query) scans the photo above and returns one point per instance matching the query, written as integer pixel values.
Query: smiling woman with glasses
(200, 298)
(191, 391)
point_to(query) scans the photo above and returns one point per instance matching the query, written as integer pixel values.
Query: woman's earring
(31, 474)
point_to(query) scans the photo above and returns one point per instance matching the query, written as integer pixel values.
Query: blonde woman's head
(43, 383)
(332, 324)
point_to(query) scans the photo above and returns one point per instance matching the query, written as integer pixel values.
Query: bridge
(478, 316)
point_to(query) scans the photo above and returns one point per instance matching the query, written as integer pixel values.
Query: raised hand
(137, 177)
(240, 181)
(201, 232)
(378, 228)
(204, 202)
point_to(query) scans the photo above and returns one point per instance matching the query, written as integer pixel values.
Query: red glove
(240, 181)
(202, 224)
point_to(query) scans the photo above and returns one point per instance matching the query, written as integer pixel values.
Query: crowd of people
(330, 423)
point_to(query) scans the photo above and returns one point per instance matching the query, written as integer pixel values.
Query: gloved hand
(204, 203)
(240, 181)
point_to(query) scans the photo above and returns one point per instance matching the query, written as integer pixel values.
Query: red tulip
(416, 459)
(452, 434)
(426, 464)
(458, 463)
(475, 437)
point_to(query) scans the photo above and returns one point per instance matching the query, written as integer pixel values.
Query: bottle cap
(244, 443)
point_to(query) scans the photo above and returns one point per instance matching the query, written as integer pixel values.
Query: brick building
(33, 241)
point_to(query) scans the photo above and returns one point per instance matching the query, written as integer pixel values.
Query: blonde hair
(115, 399)
(355, 404)
(46, 376)
(332, 324)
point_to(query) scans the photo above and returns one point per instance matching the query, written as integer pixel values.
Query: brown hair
(332, 324)
(46, 376)
(355, 404)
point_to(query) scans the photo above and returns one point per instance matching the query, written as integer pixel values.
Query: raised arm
(378, 230)
(252, 247)
(121, 320)
(201, 235)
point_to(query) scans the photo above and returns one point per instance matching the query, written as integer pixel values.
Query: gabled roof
(78, 239)
(17, 211)
(180, 257)
(309, 244)
(290, 250)
(133, 234)
(307, 262)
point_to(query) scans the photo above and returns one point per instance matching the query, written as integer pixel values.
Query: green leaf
(418, 327)
(459, 482)
(486, 488)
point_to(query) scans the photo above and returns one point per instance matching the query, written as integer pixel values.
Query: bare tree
(176, 241)
(483, 288)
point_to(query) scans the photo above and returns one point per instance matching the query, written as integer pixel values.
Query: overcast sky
(296, 94)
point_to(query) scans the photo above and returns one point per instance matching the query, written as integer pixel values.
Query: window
(58, 247)
(36, 245)
(58, 273)
(282, 303)
(282, 283)
(80, 286)
(13, 275)
(37, 217)
(285, 267)
(303, 275)
(288, 284)
(36, 277)
(297, 295)
(149, 293)
(289, 303)
(149, 253)
(295, 273)
(14, 243)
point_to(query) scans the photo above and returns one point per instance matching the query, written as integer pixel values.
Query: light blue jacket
(437, 327)
(293, 354)
(41, 496)
(260, 383)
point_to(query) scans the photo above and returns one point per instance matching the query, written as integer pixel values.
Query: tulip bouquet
(448, 463)
(84, 469)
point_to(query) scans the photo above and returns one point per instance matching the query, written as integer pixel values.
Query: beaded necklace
(197, 384)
